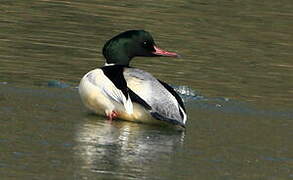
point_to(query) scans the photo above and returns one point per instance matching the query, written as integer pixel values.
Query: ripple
(193, 100)
(3, 83)
(187, 94)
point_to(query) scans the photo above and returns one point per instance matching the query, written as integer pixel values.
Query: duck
(118, 90)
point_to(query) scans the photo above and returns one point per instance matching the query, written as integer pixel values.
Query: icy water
(235, 75)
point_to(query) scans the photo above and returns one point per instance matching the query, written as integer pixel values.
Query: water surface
(236, 65)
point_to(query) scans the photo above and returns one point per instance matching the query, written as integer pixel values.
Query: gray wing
(164, 105)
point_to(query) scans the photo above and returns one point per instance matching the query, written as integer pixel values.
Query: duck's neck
(116, 53)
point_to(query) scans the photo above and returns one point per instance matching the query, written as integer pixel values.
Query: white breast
(92, 92)
(100, 95)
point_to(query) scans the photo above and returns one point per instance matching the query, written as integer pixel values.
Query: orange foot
(112, 115)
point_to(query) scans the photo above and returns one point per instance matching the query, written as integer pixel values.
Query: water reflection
(123, 148)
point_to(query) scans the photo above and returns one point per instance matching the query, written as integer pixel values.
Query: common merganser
(120, 91)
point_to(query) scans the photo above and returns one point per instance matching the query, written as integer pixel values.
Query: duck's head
(122, 48)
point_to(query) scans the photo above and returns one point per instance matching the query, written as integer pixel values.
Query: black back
(115, 74)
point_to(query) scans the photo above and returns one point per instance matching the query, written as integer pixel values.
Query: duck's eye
(147, 45)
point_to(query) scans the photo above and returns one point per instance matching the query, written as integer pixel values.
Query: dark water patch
(193, 99)
(57, 84)
(3, 165)
(19, 154)
(216, 104)
(35, 91)
(221, 104)
(278, 159)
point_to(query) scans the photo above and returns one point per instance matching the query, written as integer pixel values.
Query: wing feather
(102, 82)
(160, 97)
